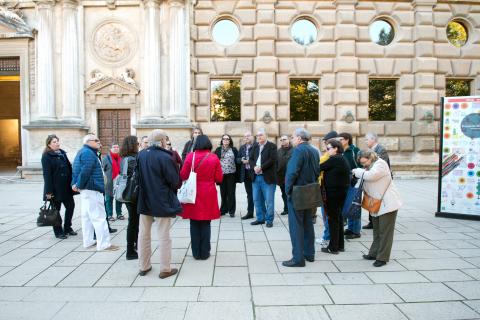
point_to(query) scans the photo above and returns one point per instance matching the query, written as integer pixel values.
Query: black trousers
(335, 200)
(248, 188)
(200, 233)
(69, 205)
(132, 227)
(227, 192)
(284, 197)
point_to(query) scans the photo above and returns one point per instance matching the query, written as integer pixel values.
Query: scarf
(115, 164)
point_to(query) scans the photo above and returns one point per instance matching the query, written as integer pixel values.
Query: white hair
(262, 130)
(88, 137)
(371, 135)
(303, 134)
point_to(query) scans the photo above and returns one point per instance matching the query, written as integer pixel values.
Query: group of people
(159, 170)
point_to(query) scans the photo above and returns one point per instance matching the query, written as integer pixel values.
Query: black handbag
(130, 193)
(307, 197)
(49, 216)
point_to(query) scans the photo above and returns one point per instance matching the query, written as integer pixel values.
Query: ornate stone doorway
(113, 126)
(10, 132)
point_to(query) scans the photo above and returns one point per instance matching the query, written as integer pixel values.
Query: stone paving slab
(434, 271)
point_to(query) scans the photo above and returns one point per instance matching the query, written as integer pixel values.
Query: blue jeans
(302, 234)
(355, 225)
(263, 198)
(109, 206)
(326, 231)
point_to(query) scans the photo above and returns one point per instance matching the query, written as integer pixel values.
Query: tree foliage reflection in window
(457, 34)
(457, 88)
(304, 100)
(382, 100)
(225, 100)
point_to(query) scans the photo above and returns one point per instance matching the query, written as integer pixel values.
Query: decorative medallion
(113, 43)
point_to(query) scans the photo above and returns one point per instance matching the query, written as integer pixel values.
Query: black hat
(330, 135)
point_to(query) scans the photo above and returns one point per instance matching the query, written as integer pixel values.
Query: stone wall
(343, 59)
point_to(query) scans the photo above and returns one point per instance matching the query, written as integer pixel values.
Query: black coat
(57, 175)
(283, 155)
(242, 153)
(303, 167)
(187, 149)
(218, 153)
(337, 173)
(268, 162)
(158, 179)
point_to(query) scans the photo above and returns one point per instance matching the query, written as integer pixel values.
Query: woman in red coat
(208, 169)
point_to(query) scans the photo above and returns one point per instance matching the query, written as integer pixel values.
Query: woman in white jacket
(377, 184)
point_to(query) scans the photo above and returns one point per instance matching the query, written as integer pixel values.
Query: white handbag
(188, 192)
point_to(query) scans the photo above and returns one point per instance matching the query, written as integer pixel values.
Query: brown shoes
(164, 275)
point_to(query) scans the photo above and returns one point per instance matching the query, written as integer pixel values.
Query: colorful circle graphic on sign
(464, 105)
(471, 125)
(471, 165)
(446, 135)
(470, 195)
(471, 173)
(461, 180)
(456, 106)
(478, 173)
(448, 106)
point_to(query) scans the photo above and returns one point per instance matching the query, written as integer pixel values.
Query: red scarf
(115, 164)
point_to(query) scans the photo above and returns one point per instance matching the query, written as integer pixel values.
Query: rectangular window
(382, 99)
(457, 87)
(304, 103)
(225, 100)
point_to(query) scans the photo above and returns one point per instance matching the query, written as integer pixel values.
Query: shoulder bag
(130, 194)
(188, 191)
(352, 207)
(49, 216)
(308, 196)
(120, 182)
(372, 204)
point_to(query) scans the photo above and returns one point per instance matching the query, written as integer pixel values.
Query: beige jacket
(376, 180)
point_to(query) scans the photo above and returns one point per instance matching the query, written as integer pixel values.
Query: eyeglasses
(284, 139)
(329, 148)
(169, 144)
(226, 139)
(96, 140)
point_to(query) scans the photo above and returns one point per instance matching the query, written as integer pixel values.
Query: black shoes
(367, 257)
(232, 215)
(71, 233)
(352, 236)
(347, 232)
(284, 213)
(292, 263)
(144, 272)
(112, 230)
(256, 222)
(269, 224)
(309, 259)
(379, 263)
(132, 255)
(61, 236)
(202, 258)
(326, 250)
(368, 226)
(248, 216)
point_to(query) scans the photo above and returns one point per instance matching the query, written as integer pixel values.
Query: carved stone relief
(113, 43)
(12, 17)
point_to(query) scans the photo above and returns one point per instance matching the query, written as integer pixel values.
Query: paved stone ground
(434, 273)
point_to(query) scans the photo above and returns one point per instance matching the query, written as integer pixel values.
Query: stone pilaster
(45, 63)
(178, 48)
(70, 62)
(151, 82)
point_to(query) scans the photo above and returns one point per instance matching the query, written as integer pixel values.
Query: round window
(457, 33)
(304, 32)
(381, 32)
(225, 32)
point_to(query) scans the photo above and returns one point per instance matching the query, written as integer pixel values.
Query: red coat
(209, 173)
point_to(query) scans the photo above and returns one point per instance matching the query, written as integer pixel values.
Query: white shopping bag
(188, 192)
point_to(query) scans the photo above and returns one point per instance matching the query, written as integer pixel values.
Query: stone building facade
(134, 65)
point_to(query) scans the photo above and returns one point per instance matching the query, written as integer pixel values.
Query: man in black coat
(302, 169)
(245, 175)
(158, 180)
(283, 155)
(263, 160)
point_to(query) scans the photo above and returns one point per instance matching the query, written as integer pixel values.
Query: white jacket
(376, 181)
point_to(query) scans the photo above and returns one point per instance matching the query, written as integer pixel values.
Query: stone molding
(13, 20)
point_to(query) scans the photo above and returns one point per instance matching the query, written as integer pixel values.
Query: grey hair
(262, 130)
(88, 137)
(372, 135)
(303, 134)
(156, 137)
(367, 154)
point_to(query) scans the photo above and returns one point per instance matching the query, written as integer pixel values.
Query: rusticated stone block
(424, 80)
(324, 66)
(397, 129)
(248, 113)
(424, 144)
(265, 31)
(405, 97)
(461, 67)
(422, 111)
(237, 129)
(204, 17)
(243, 49)
(424, 49)
(247, 97)
(362, 112)
(445, 66)
(368, 49)
(367, 66)
(327, 34)
(318, 128)
(326, 97)
(364, 17)
(328, 113)
(345, 48)
(375, 127)
(283, 33)
(289, 49)
(206, 65)
(328, 81)
(246, 16)
(266, 64)
(346, 64)
(266, 97)
(286, 65)
(390, 143)
(194, 97)
(283, 113)
(208, 49)
(345, 32)
(406, 81)
(346, 80)
(400, 50)
(224, 7)
(425, 97)
(423, 128)
(362, 81)
(287, 128)
(271, 128)
(284, 96)
(248, 81)
(202, 81)
(265, 16)
(406, 143)
(423, 33)
(305, 66)
(244, 65)
(384, 67)
(441, 19)
(364, 35)
(406, 18)
(266, 47)
(282, 81)
(345, 16)
(347, 97)
(325, 17)
(203, 33)
(402, 66)
(321, 50)
(446, 50)
(405, 113)
(247, 33)
(342, 112)
(284, 16)
(202, 114)
(423, 15)
(203, 98)
(364, 98)
(213, 128)
(263, 109)
(352, 128)
(225, 66)
(425, 65)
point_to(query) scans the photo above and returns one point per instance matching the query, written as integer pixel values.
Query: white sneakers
(322, 243)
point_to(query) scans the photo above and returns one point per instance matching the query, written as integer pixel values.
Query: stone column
(151, 83)
(178, 61)
(45, 63)
(70, 62)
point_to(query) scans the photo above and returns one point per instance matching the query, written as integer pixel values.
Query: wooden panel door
(113, 126)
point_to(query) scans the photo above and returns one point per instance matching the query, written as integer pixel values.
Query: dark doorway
(113, 126)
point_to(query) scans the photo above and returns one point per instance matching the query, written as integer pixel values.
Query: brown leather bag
(372, 204)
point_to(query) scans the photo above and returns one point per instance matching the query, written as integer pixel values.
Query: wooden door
(113, 126)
